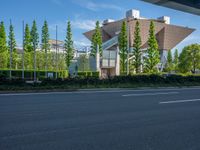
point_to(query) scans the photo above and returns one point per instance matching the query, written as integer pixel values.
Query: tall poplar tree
(153, 57)
(12, 46)
(69, 49)
(3, 47)
(27, 39)
(123, 47)
(169, 63)
(176, 60)
(34, 43)
(96, 40)
(45, 44)
(137, 48)
(28, 49)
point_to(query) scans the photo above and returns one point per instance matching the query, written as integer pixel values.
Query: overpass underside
(190, 6)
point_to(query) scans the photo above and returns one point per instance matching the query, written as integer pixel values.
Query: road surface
(151, 119)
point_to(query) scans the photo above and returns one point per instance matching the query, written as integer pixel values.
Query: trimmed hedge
(84, 74)
(29, 74)
(95, 82)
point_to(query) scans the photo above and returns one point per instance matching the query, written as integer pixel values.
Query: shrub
(84, 74)
(118, 81)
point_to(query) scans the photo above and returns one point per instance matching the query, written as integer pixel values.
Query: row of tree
(39, 57)
(152, 57)
(35, 55)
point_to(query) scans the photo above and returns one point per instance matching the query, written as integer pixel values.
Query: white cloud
(97, 6)
(83, 24)
(76, 24)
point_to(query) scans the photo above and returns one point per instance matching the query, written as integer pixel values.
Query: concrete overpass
(190, 6)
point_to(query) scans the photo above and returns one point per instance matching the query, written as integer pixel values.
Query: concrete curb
(96, 89)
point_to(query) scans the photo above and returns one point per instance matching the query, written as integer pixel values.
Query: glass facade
(109, 59)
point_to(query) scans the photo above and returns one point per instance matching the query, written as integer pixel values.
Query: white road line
(100, 91)
(27, 94)
(179, 101)
(82, 92)
(150, 94)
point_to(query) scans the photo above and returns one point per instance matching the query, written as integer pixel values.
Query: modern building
(168, 36)
(190, 6)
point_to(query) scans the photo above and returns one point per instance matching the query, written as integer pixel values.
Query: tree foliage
(34, 42)
(123, 47)
(169, 63)
(176, 60)
(137, 48)
(96, 40)
(69, 49)
(45, 44)
(34, 36)
(45, 37)
(189, 60)
(3, 47)
(28, 49)
(153, 57)
(83, 63)
(27, 39)
(12, 47)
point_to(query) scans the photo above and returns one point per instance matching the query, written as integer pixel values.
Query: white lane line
(151, 94)
(27, 94)
(100, 91)
(179, 101)
(83, 92)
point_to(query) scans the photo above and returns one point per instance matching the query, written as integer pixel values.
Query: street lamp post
(56, 51)
(128, 46)
(23, 53)
(35, 78)
(11, 49)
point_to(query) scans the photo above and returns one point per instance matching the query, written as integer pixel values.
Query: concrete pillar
(117, 66)
(98, 67)
(163, 58)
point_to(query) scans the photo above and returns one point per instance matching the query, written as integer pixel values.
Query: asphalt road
(160, 119)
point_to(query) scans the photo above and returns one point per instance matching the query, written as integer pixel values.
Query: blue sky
(84, 13)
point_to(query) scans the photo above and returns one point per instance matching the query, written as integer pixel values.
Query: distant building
(56, 44)
(59, 45)
(52, 42)
(168, 36)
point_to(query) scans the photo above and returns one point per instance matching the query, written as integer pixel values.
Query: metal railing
(108, 44)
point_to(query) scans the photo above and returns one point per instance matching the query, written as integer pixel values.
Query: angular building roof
(168, 36)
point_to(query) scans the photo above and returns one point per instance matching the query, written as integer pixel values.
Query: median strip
(151, 94)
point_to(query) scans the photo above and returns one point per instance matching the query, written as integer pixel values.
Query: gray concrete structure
(190, 6)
